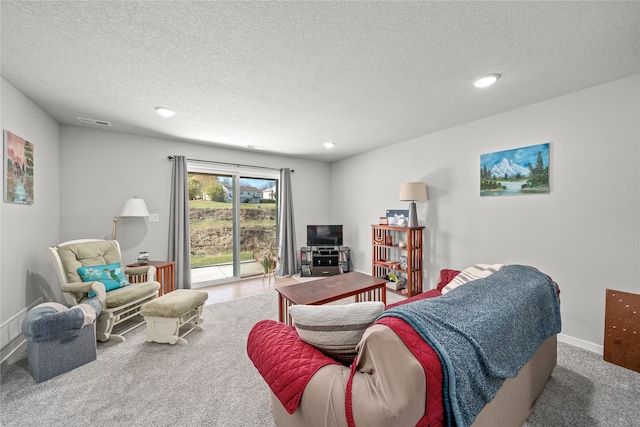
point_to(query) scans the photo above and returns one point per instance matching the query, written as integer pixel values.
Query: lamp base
(115, 225)
(413, 215)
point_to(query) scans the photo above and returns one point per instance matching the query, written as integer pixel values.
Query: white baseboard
(11, 338)
(13, 352)
(595, 348)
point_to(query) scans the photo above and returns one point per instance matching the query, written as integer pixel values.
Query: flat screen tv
(324, 235)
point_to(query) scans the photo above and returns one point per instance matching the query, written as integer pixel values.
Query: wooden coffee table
(332, 288)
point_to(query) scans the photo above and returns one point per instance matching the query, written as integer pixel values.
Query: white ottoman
(166, 315)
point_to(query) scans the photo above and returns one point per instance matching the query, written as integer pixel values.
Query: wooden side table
(165, 274)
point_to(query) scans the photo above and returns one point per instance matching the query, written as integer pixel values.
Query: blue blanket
(484, 332)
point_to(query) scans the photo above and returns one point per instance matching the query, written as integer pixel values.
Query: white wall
(585, 233)
(28, 229)
(100, 170)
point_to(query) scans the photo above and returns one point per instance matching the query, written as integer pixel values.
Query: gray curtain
(179, 240)
(286, 227)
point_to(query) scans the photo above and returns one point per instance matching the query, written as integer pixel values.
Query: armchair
(119, 305)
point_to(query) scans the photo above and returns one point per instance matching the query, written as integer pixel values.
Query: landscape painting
(520, 171)
(18, 169)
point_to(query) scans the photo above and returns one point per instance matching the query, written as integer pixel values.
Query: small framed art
(18, 169)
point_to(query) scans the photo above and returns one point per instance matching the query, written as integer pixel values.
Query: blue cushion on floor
(43, 322)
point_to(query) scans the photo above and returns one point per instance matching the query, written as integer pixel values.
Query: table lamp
(133, 207)
(413, 192)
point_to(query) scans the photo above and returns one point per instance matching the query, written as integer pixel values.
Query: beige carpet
(211, 382)
(208, 382)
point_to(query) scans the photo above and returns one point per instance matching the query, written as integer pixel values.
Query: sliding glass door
(232, 214)
(257, 220)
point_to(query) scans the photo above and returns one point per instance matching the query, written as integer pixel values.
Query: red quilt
(285, 361)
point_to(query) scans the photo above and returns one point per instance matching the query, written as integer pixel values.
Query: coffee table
(332, 288)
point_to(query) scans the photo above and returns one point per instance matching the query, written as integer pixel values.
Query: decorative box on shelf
(396, 286)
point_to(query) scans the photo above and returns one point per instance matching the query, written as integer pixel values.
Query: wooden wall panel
(622, 329)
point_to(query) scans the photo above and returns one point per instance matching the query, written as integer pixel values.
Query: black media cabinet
(324, 260)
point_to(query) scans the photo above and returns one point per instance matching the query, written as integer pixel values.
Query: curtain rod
(230, 164)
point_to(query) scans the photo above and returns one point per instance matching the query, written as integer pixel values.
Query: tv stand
(318, 261)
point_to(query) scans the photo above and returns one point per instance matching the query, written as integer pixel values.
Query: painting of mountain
(519, 171)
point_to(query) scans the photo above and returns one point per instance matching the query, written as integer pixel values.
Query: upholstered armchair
(121, 305)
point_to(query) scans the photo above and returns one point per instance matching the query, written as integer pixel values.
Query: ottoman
(168, 314)
(60, 338)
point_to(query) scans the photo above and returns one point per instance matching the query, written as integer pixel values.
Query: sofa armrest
(285, 361)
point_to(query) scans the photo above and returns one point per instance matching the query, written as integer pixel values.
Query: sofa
(401, 378)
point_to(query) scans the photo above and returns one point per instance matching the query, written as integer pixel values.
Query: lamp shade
(413, 191)
(134, 207)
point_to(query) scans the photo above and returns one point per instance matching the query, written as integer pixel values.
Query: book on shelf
(305, 270)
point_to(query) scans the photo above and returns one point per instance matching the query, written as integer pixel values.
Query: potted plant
(267, 256)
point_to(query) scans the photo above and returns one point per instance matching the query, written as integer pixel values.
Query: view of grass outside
(211, 224)
(221, 230)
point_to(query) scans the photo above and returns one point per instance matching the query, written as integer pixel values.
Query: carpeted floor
(586, 391)
(211, 382)
(208, 382)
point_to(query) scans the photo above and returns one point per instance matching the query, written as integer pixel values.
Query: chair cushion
(121, 296)
(174, 304)
(85, 254)
(110, 275)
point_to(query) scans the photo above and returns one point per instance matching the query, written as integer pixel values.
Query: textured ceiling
(291, 75)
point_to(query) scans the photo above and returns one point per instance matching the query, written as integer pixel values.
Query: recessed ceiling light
(486, 80)
(329, 144)
(255, 147)
(165, 112)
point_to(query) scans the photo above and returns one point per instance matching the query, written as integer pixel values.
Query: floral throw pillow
(111, 275)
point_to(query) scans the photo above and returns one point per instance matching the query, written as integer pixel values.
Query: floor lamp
(133, 207)
(413, 192)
